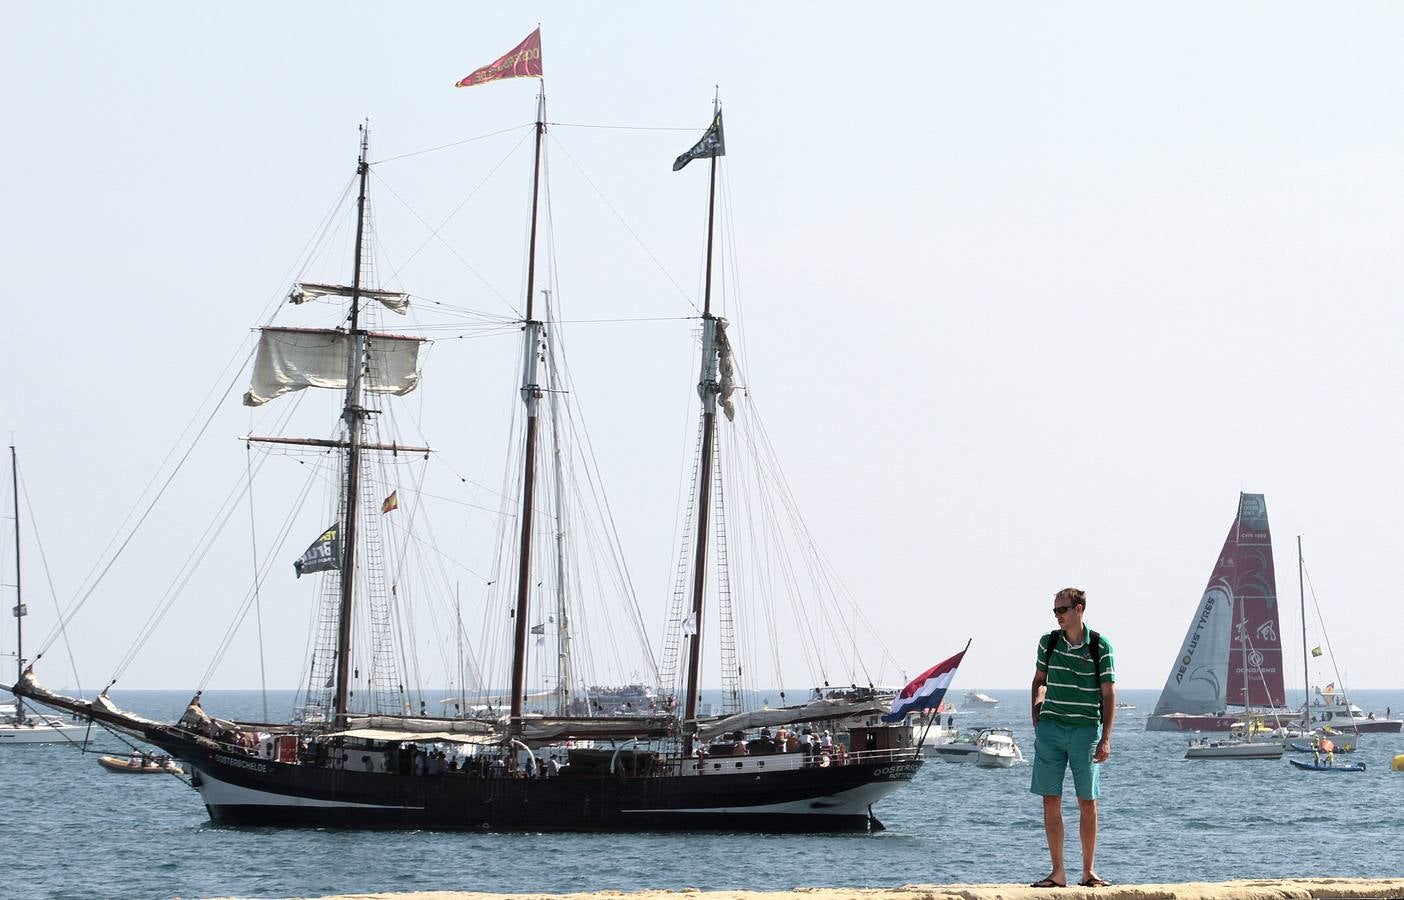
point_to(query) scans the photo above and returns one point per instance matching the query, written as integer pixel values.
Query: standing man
(1074, 691)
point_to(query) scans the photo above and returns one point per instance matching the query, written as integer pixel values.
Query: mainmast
(19, 596)
(354, 415)
(707, 388)
(531, 395)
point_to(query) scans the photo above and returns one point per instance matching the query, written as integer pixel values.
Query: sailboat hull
(252, 791)
(43, 732)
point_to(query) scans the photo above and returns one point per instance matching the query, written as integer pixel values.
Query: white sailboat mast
(1306, 669)
(531, 395)
(20, 610)
(354, 415)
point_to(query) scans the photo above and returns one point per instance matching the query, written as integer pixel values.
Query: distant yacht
(19, 725)
(976, 698)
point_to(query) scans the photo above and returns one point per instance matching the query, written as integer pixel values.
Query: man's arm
(1108, 717)
(1040, 687)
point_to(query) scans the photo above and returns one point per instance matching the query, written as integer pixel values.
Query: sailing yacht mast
(19, 596)
(707, 389)
(1306, 669)
(354, 415)
(531, 395)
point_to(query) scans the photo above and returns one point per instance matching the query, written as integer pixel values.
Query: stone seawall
(1250, 889)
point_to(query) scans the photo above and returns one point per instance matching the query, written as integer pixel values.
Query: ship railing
(819, 759)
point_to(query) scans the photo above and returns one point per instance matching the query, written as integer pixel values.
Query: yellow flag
(393, 502)
(1316, 651)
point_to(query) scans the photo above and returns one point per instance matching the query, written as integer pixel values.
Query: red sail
(1255, 649)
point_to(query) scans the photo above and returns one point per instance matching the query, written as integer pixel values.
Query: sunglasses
(1059, 610)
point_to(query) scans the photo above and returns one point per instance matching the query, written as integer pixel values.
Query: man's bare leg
(1087, 830)
(1053, 828)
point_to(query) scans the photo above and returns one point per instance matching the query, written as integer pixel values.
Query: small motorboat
(1323, 766)
(998, 750)
(141, 764)
(957, 749)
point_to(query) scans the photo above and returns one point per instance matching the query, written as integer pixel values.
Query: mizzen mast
(531, 396)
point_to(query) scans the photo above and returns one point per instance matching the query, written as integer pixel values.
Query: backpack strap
(1052, 642)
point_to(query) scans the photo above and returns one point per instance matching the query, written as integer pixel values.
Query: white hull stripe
(853, 802)
(220, 793)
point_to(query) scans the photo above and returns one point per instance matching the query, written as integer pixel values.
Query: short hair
(1071, 596)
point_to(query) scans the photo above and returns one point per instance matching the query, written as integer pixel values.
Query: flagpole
(707, 389)
(531, 394)
(353, 413)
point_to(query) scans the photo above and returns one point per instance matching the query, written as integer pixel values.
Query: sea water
(74, 830)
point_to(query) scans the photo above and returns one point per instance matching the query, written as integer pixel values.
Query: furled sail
(814, 711)
(727, 366)
(1208, 673)
(290, 359)
(303, 292)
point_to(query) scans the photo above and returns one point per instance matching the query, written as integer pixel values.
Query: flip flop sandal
(1048, 883)
(1094, 881)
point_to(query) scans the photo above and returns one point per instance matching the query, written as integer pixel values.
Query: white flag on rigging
(689, 626)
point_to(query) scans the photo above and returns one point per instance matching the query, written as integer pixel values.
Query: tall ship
(359, 754)
(1230, 661)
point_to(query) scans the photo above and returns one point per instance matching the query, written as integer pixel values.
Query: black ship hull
(246, 790)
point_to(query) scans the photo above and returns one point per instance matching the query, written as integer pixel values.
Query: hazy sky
(1032, 291)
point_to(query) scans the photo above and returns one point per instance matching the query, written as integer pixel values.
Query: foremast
(708, 387)
(531, 397)
(354, 414)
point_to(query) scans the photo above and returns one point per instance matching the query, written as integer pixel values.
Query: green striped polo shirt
(1073, 696)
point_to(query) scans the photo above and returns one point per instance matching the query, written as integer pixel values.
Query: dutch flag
(927, 690)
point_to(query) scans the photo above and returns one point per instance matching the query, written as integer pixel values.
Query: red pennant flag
(522, 61)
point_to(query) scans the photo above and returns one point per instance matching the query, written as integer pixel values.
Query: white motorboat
(976, 698)
(968, 746)
(998, 750)
(1331, 707)
(957, 749)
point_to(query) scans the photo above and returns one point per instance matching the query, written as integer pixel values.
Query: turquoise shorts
(1058, 747)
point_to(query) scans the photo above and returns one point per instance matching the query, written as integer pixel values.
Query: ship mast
(564, 673)
(531, 395)
(19, 596)
(707, 388)
(354, 415)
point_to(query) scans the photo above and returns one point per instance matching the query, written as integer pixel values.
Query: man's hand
(1103, 750)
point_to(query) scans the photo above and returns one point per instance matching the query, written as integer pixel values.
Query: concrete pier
(1247, 889)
